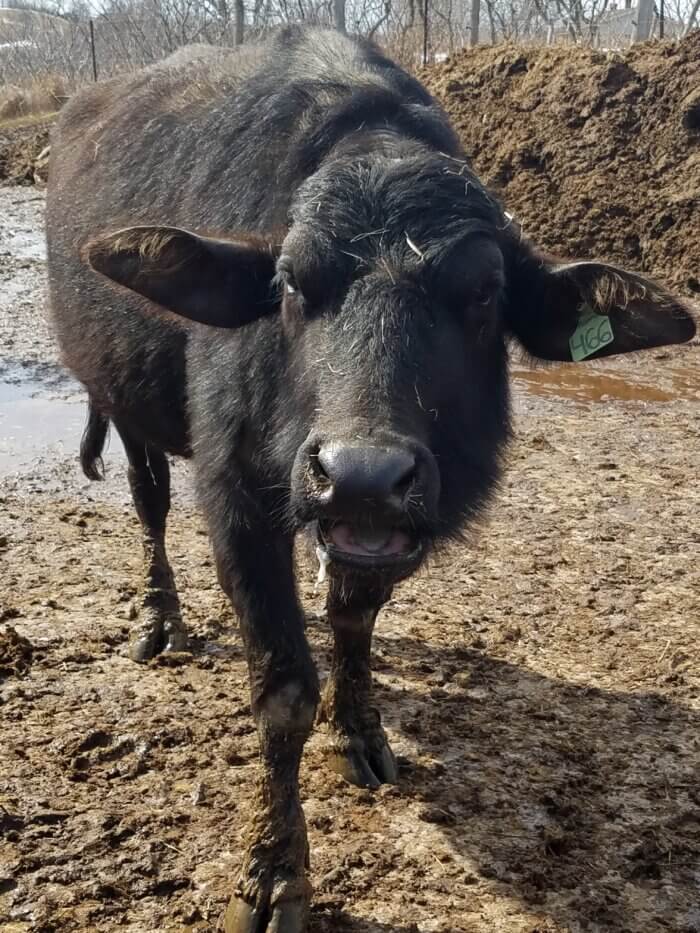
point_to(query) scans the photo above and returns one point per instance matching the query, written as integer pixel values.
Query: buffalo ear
(223, 283)
(582, 310)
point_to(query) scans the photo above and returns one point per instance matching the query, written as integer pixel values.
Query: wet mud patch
(539, 686)
(15, 651)
(623, 380)
(25, 335)
(42, 414)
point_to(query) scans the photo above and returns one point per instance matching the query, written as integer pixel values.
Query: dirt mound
(596, 153)
(24, 152)
(15, 653)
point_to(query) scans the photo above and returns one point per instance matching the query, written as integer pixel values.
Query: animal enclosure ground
(540, 685)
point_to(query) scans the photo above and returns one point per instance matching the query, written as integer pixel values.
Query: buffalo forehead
(409, 214)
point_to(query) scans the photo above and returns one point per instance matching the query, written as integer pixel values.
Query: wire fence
(36, 46)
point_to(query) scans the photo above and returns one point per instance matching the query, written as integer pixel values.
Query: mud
(595, 153)
(23, 151)
(539, 685)
(678, 379)
(15, 651)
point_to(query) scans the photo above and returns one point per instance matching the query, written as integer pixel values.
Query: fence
(128, 34)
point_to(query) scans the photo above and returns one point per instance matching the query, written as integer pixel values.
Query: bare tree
(239, 23)
(691, 17)
(51, 37)
(339, 15)
(474, 23)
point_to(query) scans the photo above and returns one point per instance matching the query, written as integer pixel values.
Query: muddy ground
(24, 149)
(540, 685)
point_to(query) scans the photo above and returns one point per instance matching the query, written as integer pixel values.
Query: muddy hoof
(366, 762)
(174, 635)
(283, 917)
(157, 634)
(146, 641)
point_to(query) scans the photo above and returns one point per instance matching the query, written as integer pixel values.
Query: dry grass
(39, 97)
(28, 121)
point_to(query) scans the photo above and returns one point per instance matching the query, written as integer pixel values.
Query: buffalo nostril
(404, 483)
(318, 469)
(366, 473)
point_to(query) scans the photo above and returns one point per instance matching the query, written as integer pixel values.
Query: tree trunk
(474, 34)
(645, 19)
(691, 18)
(339, 16)
(239, 23)
(492, 22)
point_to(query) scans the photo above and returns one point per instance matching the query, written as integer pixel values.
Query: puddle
(43, 411)
(583, 384)
(39, 417)
(24, 244)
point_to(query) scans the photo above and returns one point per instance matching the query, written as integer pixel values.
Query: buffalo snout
(359, 475)
(373, 503)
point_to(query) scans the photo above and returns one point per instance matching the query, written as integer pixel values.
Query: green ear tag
(594, 331)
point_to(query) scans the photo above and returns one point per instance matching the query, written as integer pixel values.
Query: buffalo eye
(484, 296)
(481, 295)
(472, 276)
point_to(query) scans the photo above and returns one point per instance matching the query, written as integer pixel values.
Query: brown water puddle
(582, 383)
(40, 417)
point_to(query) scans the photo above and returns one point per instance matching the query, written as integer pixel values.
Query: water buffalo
(277, 261)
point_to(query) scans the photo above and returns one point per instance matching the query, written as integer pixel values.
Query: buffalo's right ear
(223, 283)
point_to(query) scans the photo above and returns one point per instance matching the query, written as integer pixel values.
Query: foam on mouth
(323, 561)
(368, 542)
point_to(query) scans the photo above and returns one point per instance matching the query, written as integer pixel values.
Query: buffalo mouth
(368, 547)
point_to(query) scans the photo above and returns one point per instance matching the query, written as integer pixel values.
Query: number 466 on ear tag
(594, 331)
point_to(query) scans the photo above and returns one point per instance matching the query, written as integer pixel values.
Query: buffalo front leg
(273, 892)
(359, 749)
(160, 627)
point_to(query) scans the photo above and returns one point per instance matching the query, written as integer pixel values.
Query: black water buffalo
(276, 261)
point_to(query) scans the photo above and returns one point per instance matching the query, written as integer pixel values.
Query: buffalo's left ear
(581, 310)
(223, 283)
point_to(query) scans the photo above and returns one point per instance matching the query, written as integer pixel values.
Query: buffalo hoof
(288, 916)
(366, 761)
(146, 640)
(155, 634)
(174, 634)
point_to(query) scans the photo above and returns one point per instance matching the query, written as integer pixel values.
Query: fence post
(474, 33)
(425, 32)
(239, 22)
(339, 16)
(92, 49)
